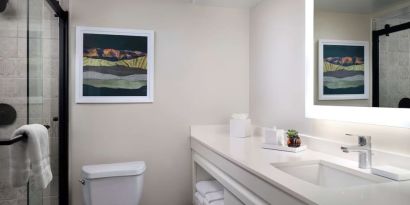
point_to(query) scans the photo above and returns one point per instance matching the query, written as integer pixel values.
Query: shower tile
(21, 9)
(35, 49)
(6, 194)
(21, 68)
(8, 27)
(5, 133)
(35, 121)
(47, 109)
(15, 87)
(2, 74)
(35, 29)
(50, 28)
(53, 146)
(14, 100)
(8, 47)
(50, 200)
(35, 66)
(4, 185)
(50, 87)
(5, 176)
(54, 130)
(22, 110)
(21, 47)
(50, 48)
(9, 202)
(36, 87)
(36, 111)
(52, 189)
(393, 45)
(22, 201)
(36, 9)
(13, 67)
(22, 28)
(9, 65)
(54, 166)
(50, 67)
(404, 45)
(22, 192)
(48, 14)
(403, 59)
(2, 89)
(54, 107)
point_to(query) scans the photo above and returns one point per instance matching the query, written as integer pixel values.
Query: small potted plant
(293, 138)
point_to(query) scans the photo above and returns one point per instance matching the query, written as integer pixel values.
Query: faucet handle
(363, 140)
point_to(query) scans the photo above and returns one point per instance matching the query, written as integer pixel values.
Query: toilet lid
(113, 170)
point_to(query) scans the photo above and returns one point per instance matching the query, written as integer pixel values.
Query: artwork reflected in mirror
(343, 70)
(362, 55)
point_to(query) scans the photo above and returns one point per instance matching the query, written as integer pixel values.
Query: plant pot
(294, 142)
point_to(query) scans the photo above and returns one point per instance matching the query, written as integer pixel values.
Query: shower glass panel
(29, 82)
(393, 67)
(43, 54)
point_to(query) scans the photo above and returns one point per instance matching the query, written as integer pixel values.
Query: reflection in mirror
(362, 53)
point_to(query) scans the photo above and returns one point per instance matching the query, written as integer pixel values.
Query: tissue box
(240, 127)
(270, 136)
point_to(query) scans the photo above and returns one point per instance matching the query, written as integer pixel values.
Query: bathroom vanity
(252, 175)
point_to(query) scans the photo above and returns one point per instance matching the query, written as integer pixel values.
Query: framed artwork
(114, 65)
(343, 70)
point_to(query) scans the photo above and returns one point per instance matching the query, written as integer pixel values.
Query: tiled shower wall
(394, 65)
(13, 79)
(43, 78)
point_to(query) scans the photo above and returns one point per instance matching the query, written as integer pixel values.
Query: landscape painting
(115, 67)
(343, 71)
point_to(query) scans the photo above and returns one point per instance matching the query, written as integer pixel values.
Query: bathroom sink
(326, 174)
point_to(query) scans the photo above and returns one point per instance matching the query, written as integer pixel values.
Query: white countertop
(248, 154)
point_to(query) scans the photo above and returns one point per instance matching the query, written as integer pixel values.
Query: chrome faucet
(365, 151)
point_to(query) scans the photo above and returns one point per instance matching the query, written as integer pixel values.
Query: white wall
(201, 77)
(277, 79)
(332, 25)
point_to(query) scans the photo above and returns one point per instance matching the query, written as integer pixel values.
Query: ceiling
(355, 6)
(228, 3)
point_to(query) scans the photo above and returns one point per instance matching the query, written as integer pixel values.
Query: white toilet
(111, 184)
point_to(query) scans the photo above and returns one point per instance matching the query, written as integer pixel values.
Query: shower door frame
(62, 99)
(376, 68)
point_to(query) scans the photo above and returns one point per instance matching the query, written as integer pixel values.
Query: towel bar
(17, 139)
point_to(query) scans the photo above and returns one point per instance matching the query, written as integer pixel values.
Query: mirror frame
(376, 116)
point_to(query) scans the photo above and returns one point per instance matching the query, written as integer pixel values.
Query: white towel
(214, 196)
(199, 200)
(31, 159)
(205, 187)
(218, 202)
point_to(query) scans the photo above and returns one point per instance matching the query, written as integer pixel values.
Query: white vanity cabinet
(241, 186)
(231, 199)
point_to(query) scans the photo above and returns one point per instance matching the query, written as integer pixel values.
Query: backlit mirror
(362, 53)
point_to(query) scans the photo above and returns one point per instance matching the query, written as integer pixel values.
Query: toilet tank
(109, 184)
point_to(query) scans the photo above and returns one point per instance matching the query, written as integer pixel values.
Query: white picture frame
(112, 98)
(343, 43)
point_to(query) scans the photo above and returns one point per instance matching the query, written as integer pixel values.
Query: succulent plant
(292, 133)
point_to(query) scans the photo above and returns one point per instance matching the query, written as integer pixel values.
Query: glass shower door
(42, 72)
(29, 84)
